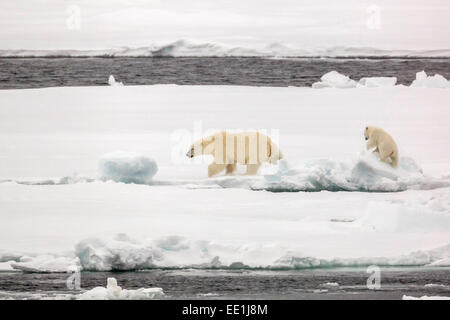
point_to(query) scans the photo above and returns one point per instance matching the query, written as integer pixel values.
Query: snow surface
(127, 167)
(57, 213)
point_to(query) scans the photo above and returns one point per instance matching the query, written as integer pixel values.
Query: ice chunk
(127, 167)
(334, 79)
(115, 292)
(113, 82)
(374, 82)
(436, 81)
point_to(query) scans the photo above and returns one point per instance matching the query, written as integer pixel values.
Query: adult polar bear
(383, 143)
(229, 149)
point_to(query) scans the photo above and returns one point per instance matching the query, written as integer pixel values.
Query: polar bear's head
(201, 146)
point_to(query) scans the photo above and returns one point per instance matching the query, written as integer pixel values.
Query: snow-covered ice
(127, 167)
(60, 210)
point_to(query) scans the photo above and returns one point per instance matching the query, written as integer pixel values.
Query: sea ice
(127, 167)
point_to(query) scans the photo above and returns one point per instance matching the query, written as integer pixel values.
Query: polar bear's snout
(190, 153)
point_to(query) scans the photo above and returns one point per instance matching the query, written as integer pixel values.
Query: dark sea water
(52, 72)
(242, 284)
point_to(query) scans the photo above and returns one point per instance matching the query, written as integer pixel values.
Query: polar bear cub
(229, 149)
(384, 145)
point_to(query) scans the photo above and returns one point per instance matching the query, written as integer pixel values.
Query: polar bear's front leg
(252, 169)
(215, 168)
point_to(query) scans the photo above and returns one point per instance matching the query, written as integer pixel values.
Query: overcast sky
(98, 24)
